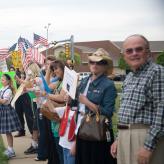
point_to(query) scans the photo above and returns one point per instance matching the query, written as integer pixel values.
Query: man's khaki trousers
(130, 141)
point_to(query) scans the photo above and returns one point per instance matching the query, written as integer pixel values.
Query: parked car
(117, 77)
(83, 74)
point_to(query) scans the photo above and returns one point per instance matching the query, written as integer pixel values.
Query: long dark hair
(57, 63)
(8, 78)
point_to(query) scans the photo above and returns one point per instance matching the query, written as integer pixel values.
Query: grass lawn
(114, 118)
(3, 159)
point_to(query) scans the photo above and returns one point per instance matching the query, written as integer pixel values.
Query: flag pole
(47, 28)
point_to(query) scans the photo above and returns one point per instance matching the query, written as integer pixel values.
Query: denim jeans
(68, 158)
(42, 142)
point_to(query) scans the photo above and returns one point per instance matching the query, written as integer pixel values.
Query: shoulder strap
(4, 92)
(58, 87)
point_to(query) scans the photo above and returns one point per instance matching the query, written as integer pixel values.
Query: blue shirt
(101, 92)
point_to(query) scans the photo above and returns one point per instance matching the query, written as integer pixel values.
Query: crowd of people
(57, 137)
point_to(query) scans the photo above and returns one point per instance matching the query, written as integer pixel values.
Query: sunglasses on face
(132, 50)
(102, 62)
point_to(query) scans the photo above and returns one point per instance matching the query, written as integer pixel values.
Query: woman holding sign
(96, 97)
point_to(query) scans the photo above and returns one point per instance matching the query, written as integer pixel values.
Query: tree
(122, 64)
(77, 58)
(160, 59)
(61, 56)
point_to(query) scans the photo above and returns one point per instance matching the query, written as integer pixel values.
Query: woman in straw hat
(96, 93)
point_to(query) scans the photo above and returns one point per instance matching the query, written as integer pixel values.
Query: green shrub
(3, 158)
(118, 86)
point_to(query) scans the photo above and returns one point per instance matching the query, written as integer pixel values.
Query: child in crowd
(9, 121)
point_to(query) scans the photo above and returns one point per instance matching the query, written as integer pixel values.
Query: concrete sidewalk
(20, 145)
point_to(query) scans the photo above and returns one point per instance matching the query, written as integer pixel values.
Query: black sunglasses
(102, 62)
(131, 50)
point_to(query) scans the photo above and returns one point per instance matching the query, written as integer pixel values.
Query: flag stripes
(4, 53)
(23, 45)
(40, 40)
(36, 55)
(27, 61)
(28, 52)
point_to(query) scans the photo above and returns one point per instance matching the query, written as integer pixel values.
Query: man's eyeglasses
(102, 62)
(131, 50)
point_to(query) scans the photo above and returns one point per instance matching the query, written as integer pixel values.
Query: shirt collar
(5, 87)
(142, 67)
(97, 80)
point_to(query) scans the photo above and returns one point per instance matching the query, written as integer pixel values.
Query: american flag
(5, 52)
(13, 47)
(35, 55)
(40, 40)
(23, 45)
(26, 60)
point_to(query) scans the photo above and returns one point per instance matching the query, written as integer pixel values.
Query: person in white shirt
(9, 121)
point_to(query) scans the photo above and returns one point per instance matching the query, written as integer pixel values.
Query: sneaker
(9, 154)
(31, 150)
(40, 159)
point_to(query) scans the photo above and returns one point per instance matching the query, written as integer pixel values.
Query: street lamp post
(47, 27)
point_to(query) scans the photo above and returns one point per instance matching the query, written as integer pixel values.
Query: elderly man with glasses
(141, 116)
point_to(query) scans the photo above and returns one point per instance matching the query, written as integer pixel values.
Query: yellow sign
(16, 59)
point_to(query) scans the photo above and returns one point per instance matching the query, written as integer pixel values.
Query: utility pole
(71, 41)
(72, 48)
(47, 28)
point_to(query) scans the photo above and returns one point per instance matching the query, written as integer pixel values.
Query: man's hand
(113, 149)
(143, 156)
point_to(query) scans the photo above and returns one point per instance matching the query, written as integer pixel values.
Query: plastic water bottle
(108, 137)
(40, 116)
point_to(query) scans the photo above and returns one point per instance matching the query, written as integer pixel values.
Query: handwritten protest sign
(70, 81)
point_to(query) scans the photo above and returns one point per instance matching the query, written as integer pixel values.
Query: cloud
(98, 20)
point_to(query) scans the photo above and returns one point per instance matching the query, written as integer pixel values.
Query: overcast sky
(87, 20)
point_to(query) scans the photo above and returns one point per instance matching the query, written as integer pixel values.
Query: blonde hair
(35, 69)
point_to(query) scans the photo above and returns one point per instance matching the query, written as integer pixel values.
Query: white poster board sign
(70, 81)
(3, 66)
